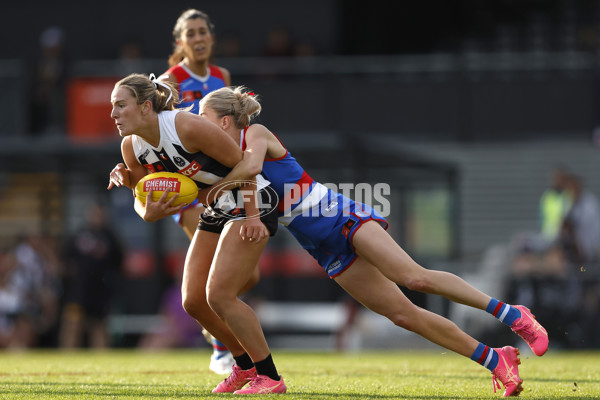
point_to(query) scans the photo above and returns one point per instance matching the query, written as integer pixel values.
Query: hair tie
(250, 93)
(156, 82)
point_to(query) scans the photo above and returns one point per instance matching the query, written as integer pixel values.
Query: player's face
(125, 111)
(196, 40)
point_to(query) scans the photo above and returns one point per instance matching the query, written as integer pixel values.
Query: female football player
(349, 240)
(156, 137)
(191, 69)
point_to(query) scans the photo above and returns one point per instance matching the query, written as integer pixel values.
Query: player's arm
(250, 166)
(253, 228)
(257, 146)
(253, 157)
(199, 134)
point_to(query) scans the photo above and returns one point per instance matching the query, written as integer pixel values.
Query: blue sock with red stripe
(504, 312)
(219, 349)
(485, 356)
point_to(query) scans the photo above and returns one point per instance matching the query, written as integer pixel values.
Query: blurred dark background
(464, 108)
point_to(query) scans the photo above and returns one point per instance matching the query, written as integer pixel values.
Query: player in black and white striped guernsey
(156, 136)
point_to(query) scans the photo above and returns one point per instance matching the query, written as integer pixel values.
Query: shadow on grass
(101, 390)
(49, 389)
(526, 379)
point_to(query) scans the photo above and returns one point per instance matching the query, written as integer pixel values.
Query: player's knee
(406, 318)
(403, 321)
(194, 304)
(217, 301)
(419, 283)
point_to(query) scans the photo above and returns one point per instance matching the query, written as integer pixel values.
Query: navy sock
(503, 311)
(244, 361)
(485, 356)
(267, 367)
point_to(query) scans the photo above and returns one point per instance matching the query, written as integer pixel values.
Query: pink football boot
(531, 331)
(238, 378)
(507, 371)
(262, 384)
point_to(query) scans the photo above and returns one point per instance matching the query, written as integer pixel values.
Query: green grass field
(132, 374)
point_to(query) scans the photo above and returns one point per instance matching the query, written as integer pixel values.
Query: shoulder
(187, 123)
(175, 74)
(129, 152)
(127, 143)
(257, 130)
(133, 145)
(185, 120)
(190, 130)
(257, 136)
(221, 73)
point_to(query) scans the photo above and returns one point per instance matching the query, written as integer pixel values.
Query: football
(158, 182)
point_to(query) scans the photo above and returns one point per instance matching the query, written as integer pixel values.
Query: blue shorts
(328, 235)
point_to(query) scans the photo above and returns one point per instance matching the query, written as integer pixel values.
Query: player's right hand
(119, 176)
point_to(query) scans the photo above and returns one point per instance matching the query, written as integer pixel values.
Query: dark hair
(177, 55)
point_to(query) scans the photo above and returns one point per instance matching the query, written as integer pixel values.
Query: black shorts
(211, 221)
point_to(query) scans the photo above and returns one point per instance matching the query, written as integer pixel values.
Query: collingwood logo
(180, 162)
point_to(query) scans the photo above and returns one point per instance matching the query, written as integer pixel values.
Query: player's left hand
(253, 230)
(155, 210)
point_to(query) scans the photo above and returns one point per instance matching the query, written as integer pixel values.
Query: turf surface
(184, 374)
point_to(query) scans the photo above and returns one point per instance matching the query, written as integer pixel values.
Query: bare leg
(379, 248)
(190, 219)
(234, 262)
(367, 284)
(189, 224)
(193, 289)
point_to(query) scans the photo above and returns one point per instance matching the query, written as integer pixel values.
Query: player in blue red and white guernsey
(191, 69)
(190, 62)
(194, 86)
(350, 242)
(156, 137)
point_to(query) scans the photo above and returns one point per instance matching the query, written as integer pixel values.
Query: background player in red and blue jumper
(191, 69)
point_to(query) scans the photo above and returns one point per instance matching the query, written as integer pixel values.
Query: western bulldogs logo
(331, 267)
